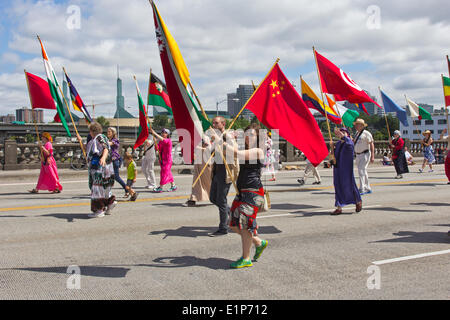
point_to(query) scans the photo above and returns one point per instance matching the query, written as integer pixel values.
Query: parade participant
(148, 163)
(165, 153)
(221, 181)
(365, 154)
(101, 173)
(269, 159)
(131, 175)
(48, 177)
(250, 198)
(308, 169)
(398, 155)
(114, 143)
(200, 192)
(447, 159)
(409, 157)
(428, 155)
(346, 191)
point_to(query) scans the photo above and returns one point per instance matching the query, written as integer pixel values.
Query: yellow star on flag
(274, 84)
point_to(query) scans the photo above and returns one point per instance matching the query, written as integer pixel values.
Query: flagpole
(415, 125)
(35, 121)
(146, 116)
(232, 123)
(337, 110)
(326, 116)
(446, 107)
(448, 64)
(198, 100)
(385, 116)
(71, 118)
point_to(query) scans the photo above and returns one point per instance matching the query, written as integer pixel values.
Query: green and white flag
(415, 111)
(54, 90)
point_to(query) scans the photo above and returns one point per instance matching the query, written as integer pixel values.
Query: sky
(398, 45)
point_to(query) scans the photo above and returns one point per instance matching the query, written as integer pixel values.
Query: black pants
(218, 196)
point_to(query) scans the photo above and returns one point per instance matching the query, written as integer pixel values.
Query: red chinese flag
(40, 95)
(279, 106)
(337, 82)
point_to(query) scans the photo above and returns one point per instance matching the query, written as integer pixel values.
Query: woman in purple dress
(346, 191)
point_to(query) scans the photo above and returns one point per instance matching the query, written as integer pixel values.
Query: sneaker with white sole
(97, 214)
(110, 207)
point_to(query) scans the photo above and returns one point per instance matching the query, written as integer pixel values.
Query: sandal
(56, 191)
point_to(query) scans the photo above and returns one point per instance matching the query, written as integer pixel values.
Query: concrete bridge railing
(16, 156)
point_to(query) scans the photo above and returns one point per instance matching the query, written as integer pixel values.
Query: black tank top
(250, 175)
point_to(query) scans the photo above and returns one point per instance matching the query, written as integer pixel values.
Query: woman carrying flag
(346, 191)
(165, 152)
(428, 155)
(48, 177)
(398, 155)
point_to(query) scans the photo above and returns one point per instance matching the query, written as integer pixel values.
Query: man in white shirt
(365, 154)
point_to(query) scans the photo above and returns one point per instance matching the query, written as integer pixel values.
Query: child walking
(131, 176)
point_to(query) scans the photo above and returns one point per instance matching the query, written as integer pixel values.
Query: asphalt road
(155, 248)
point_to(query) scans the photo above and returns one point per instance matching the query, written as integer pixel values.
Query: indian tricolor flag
(143, 122)
(446, 84)
(54, 89)
(184, 108)
(348, 116)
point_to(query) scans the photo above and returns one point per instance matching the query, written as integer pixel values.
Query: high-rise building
(9, 118)
(237, 100)
(120, 101)
(29, 115)
(371, 107)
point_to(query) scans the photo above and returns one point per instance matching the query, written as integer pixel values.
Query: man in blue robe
(346, 191)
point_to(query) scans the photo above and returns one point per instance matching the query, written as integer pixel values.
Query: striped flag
(348, 115)
(446, 84)
(77, 103)
(415, 111)
(54, 89)
(185, 110)
(143, 123)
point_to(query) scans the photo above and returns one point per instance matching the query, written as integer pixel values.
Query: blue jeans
(116, 165)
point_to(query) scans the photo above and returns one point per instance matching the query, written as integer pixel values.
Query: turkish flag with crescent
(337, 82)
(279, 106)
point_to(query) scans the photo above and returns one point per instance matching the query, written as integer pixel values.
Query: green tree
(103, 122)
(161, 121)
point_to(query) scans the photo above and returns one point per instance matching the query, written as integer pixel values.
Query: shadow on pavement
(431, 204)
(2, 216)
(91, 271)
(194, 232)
(418, 237)
(291, 206)
(395, 209)
(70, 217)
(189, 261)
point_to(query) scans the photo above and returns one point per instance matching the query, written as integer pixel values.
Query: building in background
(415, 129)
(29, 115)
(371, 107)
(121, 113)
(237, 100)
(9, 118)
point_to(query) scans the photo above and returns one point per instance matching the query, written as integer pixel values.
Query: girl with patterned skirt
(428, 154)
(250, 198)
(101, 173)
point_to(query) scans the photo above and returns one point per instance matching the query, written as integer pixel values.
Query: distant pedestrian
(48, 176)
(428, 155)
(365, 153)
(114, 143)
(409, 157)
(250, 199)
(269, 159)
(346, 191)
(398, 155)
(309, 168)
(148, 162)
(131, 176)
(200, 192)
(101, 173)
(165, 153)
(447, 158)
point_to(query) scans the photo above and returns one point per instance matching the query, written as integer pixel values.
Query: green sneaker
(241, 263)
(260, 249)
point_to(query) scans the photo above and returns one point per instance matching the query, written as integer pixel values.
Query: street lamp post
(217, 106)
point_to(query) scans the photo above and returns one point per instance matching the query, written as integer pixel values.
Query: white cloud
(225, 43)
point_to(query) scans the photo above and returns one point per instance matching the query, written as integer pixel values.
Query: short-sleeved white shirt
(363, 142)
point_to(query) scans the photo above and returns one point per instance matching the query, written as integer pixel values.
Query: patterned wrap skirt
(101, 180)
(428, 154)
(245, 207)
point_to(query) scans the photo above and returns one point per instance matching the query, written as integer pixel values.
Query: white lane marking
(318, 210)
(417, 256)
